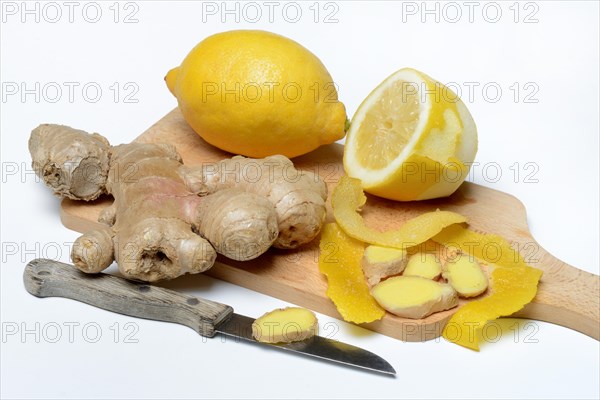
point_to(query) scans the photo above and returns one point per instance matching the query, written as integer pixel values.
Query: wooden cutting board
(567, 296)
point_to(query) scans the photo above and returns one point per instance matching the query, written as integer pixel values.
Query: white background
(556, 53)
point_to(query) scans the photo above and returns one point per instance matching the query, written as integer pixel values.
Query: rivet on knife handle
(48, 278)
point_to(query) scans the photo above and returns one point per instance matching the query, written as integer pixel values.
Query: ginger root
(167, 219)
(414, 297)
(380, 262)
(465, 276)
(425, 265)
(285, 325)
(298, 197)
(74, 164)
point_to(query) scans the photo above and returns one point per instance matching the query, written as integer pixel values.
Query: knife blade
(49, 278)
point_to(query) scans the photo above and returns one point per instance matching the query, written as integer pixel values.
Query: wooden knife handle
(48, 278)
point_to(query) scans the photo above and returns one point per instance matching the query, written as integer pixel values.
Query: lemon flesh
(412, 138)
(388, 126)
(257, 94)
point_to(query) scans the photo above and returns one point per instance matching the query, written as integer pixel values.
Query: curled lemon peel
(340, 261)
(348, 198)
(513, 284)
(489, 248)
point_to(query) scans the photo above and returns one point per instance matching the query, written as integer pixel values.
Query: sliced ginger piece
(465, 276)
(285, 325)
(340, 261)
(414, 296)
(425, 265)
(380, 262)
(348, 198)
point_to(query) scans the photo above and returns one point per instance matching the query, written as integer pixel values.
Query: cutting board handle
(566, 296)
(48, 278)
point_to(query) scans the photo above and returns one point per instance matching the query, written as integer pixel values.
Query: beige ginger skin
(168, 219)
(298, 198)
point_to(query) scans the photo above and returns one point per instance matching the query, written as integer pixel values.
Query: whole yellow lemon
(257, 94)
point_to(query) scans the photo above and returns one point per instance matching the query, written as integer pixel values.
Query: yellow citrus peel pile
(340, 261)
(513, 282)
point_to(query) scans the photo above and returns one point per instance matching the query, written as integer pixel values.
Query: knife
(49, 278)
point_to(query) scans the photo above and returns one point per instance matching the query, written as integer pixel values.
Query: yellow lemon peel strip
(489, 248)
(513, 284)
(348, 198)
(340, 261)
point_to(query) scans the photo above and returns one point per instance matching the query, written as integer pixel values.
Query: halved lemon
(412, 138)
